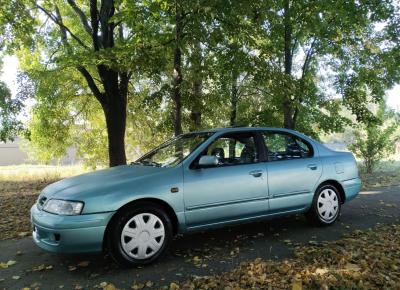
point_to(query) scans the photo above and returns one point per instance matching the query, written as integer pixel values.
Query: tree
(112, 95)
(305, 44)
(10, 126)
(375, 139)
(148, 69)
(97, 43)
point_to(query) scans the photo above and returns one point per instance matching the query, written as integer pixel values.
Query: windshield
(172, 152)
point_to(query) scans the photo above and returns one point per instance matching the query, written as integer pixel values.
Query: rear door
(293, 171)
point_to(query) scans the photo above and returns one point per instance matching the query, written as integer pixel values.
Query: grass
(387, 173)
(24, 179)
(19, 188)
(34, 173)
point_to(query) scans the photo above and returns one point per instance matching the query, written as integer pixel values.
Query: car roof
(244, 129)
(238, 129)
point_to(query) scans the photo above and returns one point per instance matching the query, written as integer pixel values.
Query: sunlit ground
(34, 173)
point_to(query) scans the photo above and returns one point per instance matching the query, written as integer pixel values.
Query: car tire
(139, 234)
(326, 206)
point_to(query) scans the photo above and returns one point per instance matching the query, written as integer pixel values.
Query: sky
(10, 69)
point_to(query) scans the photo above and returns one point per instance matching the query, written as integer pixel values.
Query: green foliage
(10, 126)
(375, 140)
(235, 50)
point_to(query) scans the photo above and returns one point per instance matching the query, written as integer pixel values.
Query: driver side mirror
(208, 161)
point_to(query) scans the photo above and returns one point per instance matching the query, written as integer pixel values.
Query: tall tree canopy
(144, 69)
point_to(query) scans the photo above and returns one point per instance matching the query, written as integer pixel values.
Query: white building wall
(11, 154)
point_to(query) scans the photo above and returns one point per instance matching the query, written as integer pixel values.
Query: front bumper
(351, 188)
(69, 234)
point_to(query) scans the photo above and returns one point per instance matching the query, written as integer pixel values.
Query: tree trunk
(115, 115)
(114, 91)
(288, 38)
(287, 104)
(197, 90)
(177, 74)
(288, 118)
(369, 165)
(195, 113)
(234, 99)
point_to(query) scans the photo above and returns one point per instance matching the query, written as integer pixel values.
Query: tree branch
(307, 60)
(94, 20)
(89, 79)
(63, 31)
(107, 10)
(304, 69)
(81, 15)
(60, 24)
(92, 85)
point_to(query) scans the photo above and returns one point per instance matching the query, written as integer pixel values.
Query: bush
(375, 139)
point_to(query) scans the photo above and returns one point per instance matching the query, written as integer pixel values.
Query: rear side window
(283, 146)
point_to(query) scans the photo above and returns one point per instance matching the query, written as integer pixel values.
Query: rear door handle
(256, 173)
(312, 166)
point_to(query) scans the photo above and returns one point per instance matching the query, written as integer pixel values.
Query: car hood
(100, 182)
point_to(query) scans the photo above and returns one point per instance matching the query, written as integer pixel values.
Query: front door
(234, 189)
(293, 171)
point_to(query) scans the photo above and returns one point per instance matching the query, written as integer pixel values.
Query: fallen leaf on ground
(361, 260)
(11, 262)
(23, 234)
(83, 264)
(149, 284)
(137, 286)
(297, 284)
(103, 284)
(352, 267)
(110, 286)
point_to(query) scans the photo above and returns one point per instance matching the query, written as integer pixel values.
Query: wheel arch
(337, 185)
(167, 207)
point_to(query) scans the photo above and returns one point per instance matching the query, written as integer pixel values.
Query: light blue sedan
(193, 182)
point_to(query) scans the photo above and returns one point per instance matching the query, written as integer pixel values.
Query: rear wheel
(139, 235)
(326, 206)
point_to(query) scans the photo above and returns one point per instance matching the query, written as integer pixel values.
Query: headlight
(63, 207)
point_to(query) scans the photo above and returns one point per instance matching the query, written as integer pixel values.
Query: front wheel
(139, 235)
(326, 206)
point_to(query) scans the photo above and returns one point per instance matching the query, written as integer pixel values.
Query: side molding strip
(208, 205)
(278, 195)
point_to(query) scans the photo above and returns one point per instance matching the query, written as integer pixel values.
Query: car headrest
(248, 154)
(218, 152)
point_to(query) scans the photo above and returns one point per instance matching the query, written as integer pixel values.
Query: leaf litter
(361, 260)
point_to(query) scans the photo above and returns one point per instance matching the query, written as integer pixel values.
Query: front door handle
(256, 173)
(312, 166)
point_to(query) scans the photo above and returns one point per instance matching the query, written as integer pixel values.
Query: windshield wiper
(146, 162)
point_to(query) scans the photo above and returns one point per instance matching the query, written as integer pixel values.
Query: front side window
(281, 146)
(173, 151)
(233, 149)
